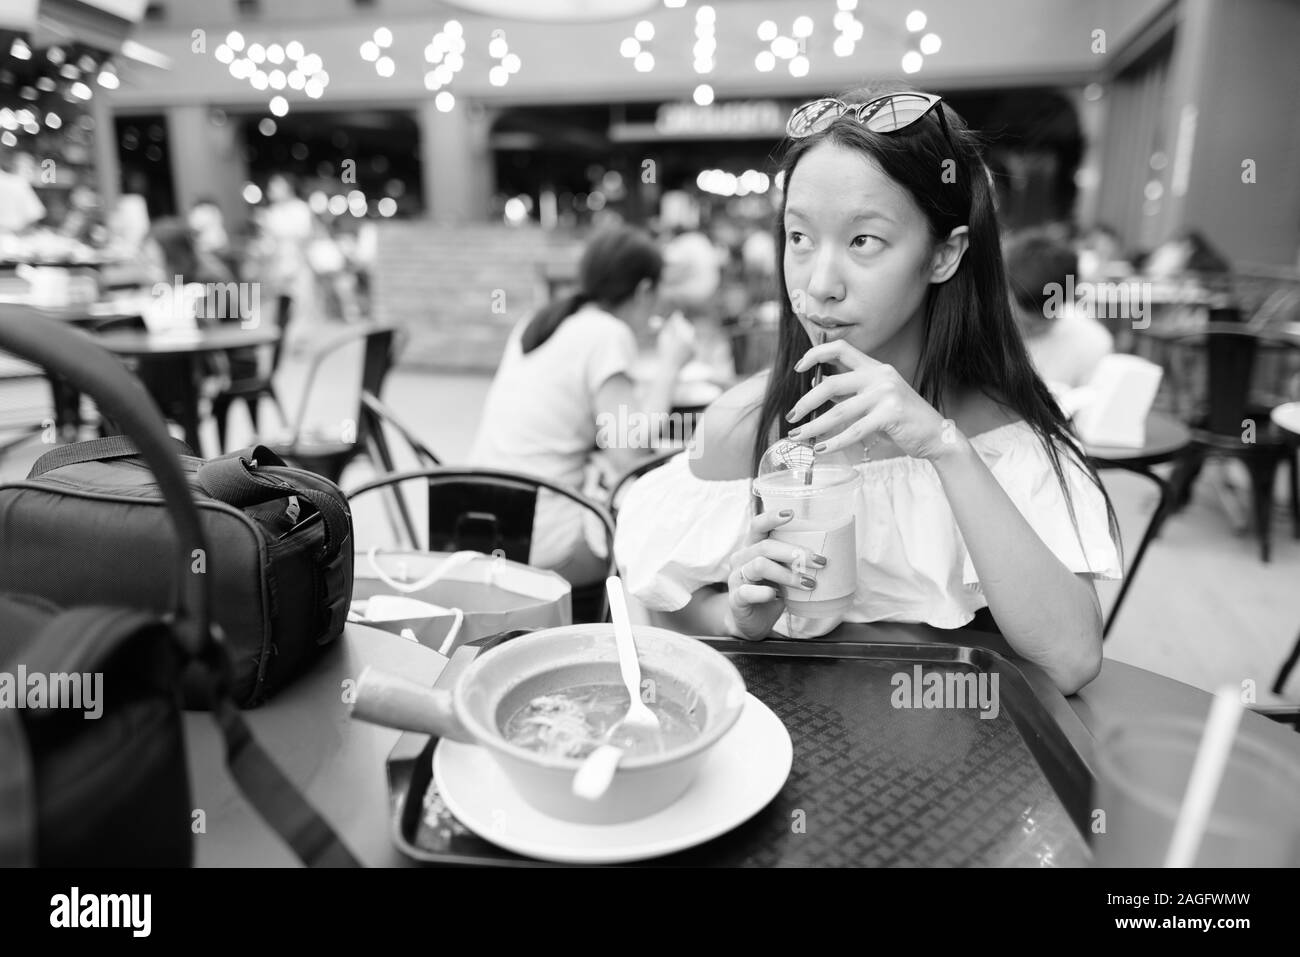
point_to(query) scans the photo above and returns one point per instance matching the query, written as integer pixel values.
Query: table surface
(1286, 330)
(74, 313)
(340, 764)
(187, 342)
(1165, 437)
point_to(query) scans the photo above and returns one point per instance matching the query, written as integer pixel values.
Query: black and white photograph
(638, 434)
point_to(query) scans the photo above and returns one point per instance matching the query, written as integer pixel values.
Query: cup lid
(788, 463)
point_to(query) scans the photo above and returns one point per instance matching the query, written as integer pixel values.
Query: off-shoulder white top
(676, 533)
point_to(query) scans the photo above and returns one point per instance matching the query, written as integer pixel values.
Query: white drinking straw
(1207, 773)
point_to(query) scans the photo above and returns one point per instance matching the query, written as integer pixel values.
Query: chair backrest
(1230, 364)
(381, 417)
(1224, 314)
(753, 343)
(277, 347)
(1281, 306)
(382, 343)
(482, 514)
(381, 353)
(487, 509)
(119, 324)
(1231, 353)
(634, 473)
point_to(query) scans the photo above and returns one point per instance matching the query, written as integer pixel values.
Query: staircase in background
(460, 289)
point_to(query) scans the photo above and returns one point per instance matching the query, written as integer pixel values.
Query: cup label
(840, 575)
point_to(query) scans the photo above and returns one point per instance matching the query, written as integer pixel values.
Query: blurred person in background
(566, 377)
(174, 250)
(360, 247)
(20, 207)
(1188, 258)
(1189, 252)
(758, 256)
(287, 229)
(691, 286)
(176, 261)
(330, 259)
(126, 234)
(1101, 255)
(84, 219)
(129, 224)
(1065, 343)
(755, 342)
(208, 224)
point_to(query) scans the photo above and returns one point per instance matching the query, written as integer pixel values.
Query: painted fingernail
(809, 583)
(791, 416)
(795, 433)
(819, 447)
(786, 513)
(819, 559)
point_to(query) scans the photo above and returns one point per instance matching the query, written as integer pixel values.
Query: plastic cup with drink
(821, 496)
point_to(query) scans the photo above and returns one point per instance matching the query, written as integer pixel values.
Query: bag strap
(235, 480)
(275, 797)
(73, 640)
(17, 794)
(82, 636)
(96, 450)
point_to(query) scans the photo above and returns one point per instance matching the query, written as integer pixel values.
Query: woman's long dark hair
(969, 338)
(614, 263)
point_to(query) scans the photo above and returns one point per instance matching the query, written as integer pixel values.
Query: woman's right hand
(754, 601)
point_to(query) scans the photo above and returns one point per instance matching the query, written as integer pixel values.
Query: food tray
(872, 784)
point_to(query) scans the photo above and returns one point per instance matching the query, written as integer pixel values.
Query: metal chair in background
(253, 374)
(621, 484)
(326, 455)
(381, 420)
(487, 510)
(1244, 373)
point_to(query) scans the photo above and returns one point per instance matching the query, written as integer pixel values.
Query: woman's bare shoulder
(724, 438)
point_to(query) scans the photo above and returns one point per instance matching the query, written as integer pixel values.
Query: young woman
(975, 495)
(565, 384)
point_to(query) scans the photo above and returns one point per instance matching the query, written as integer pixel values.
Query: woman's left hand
(873, 398)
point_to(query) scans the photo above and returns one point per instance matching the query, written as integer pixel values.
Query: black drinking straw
(816, 381)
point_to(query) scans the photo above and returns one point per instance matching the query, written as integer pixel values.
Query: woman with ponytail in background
(565, 376)
(975, 495)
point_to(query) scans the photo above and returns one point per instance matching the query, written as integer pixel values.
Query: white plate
(747, 768)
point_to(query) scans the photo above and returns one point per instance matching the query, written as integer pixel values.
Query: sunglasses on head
(884, 114)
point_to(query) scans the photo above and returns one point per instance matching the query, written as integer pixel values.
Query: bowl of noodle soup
(542, 702)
